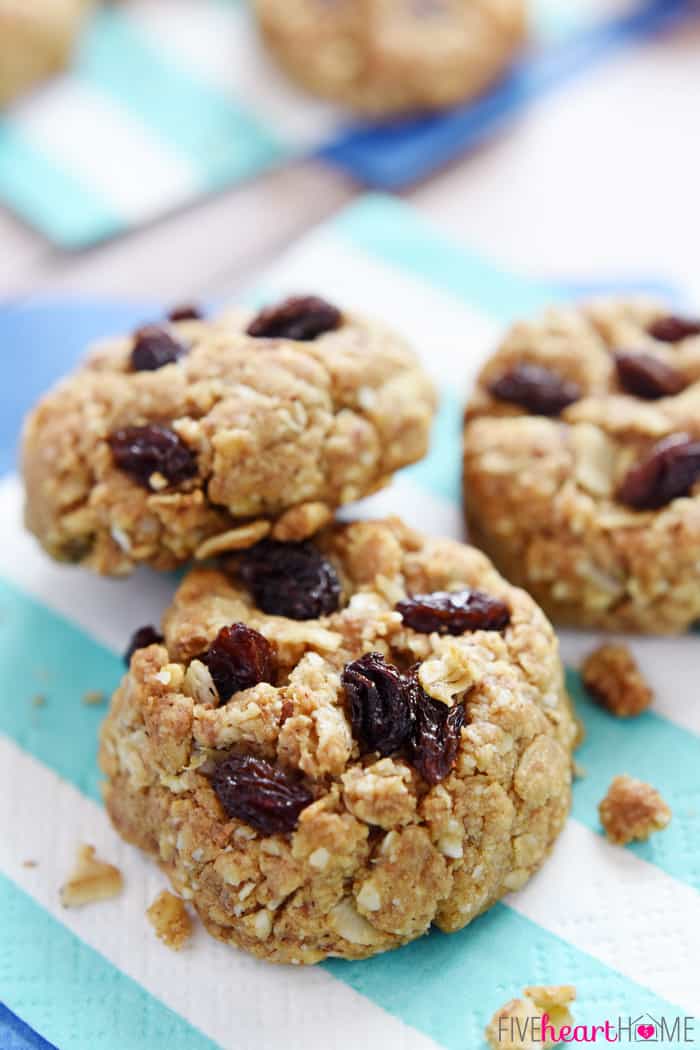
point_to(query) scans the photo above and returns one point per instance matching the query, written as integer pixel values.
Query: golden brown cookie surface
(582, 465)
(343, 802)
(388, 56)
(194, 437)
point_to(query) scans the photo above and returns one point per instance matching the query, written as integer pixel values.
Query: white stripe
(106, 147)
(452, 338)
(220, 46)
(415, 504)
(234, 999)
(623, 911)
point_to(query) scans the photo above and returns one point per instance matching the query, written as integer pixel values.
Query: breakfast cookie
(390, 56)
(195, 437)
(36, 40)
(340, 742)
(582, 465)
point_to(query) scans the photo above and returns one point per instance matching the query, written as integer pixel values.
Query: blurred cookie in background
(36, 40)
(392, 56)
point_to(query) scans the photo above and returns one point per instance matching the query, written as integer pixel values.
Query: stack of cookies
(342, 733)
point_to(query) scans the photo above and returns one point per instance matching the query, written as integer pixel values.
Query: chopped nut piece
(93, 697)
(92, 880)
(632, 810)
(611, 675)
(170, 919)
(518, 1025)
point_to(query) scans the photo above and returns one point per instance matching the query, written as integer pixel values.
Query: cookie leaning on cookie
(196, 437)
(328, 752)
(582, 465)
(382, 57)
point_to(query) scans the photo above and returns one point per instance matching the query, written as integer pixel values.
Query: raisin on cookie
(377, 771)
(582, 465)
(193, 437)
(382, 57)
(36, 40)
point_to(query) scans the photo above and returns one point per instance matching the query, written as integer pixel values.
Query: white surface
(598, 179)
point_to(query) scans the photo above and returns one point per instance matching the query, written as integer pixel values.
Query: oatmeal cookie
(392, 56)
(341, 742)
(195, 437)
(582, 465)
(36, 40)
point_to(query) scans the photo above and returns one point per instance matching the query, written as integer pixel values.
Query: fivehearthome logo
(539, 1031)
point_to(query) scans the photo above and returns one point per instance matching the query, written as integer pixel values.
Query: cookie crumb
(93, 697)
(92, 880)
(631, 810)
(170, 919)
(518, 1025)
(30, 863)
(39, 700)
(612, 677)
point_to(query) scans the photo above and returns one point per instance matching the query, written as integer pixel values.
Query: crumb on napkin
(612, 677)
(631, 810)
(170, 919)
(518, 1024)
(93, 696)
(91, 880)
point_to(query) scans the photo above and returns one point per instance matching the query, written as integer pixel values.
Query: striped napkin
(170, 100)
(623, 925)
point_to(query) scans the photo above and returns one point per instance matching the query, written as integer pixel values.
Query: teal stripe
(445, 987)
(449, 986)
(45, 195)
(386, 228)
(652, 749)
(218, 136)
(441, 470)
(71, 995)
(43, 655)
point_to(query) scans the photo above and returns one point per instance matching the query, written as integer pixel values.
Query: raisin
(154, 347)
(668, 472)
(290, 579)
(141, 639)
(260, 794)
(147, 450)
(379, 704)
(302, 318)
(538, 389)
(238, 659)
(647, 376)
(454, 612)
(435, 733)
(185, 312)
(673, 329)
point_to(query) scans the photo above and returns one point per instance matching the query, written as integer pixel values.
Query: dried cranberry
(290, 579)
(538, 389)
(435, 734)
(238, 659)
(185, 312)
(154, 347)
(668, 472)
(302, 318)
(260, 794)
(147, 450)
(673, 329)
(647, 376)
(141, 639)
(454, 612)
(379, 704)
